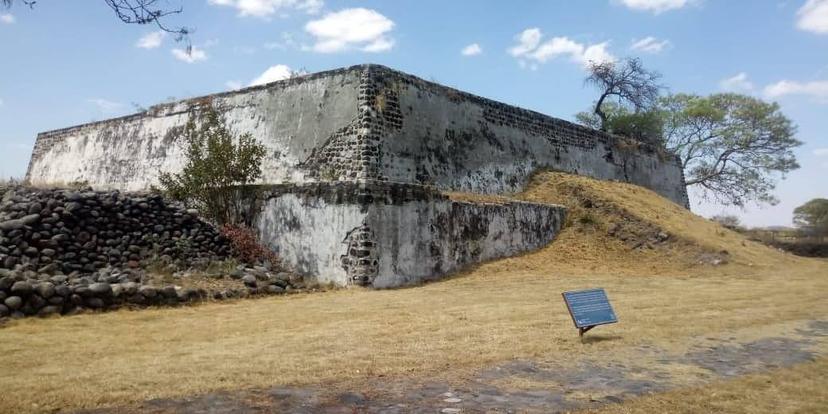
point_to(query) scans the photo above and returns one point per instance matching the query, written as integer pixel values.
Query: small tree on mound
(644, 126)
(218, 166)
(727, 220)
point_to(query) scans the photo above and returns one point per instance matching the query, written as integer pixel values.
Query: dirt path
(526, 385)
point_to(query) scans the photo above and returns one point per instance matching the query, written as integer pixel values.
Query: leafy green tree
(218, 165)
(730, 146)
(644, 126)
(813, 217)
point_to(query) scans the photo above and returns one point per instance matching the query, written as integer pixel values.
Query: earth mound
(623, 228)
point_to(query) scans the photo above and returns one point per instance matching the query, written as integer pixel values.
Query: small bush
(588, 218)
(247, 246)
(218, 165)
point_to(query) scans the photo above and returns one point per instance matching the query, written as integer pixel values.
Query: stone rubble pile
(65, 230)
(63, 251)
(27, 293)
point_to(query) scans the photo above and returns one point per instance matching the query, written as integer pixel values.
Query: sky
(70, 62)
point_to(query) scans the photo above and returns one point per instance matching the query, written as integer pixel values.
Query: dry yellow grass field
(663, 292)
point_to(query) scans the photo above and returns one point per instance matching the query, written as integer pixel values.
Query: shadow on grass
(594, 339)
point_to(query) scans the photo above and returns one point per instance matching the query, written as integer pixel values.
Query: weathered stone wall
(353, 154)
(364, 122)
(457, 141)
(292, 118)
(388, 235)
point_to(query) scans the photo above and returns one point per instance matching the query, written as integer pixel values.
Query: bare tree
(140, 12)
(628, 81)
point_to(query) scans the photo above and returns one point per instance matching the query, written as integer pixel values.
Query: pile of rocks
(63, 251)
(260, 280)
(27, 293)
(83, 231)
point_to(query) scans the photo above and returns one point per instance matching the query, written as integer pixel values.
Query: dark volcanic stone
(36, 302)
(10, 225)
(21, 288)
(95, 303)
(147, 291)
(13, 302)
(46, 290)
(169, 292)
(101, 289)
(249, 280)
(63, 291)
(76, 300)
(273, 289)
(30, 219)
(6, 282)
(49, 310)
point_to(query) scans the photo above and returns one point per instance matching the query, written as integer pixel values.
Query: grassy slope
(498, 311)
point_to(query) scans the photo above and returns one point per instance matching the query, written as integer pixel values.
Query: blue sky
(69, 62)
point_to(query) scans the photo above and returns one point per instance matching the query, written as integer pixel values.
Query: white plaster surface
(415, 241)
(129, 153)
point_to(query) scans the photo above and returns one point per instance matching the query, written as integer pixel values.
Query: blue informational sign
(589, 307)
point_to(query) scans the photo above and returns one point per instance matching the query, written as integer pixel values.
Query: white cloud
(821, 152)
(737, 83)
(813, 16)
(7, 18)
(528, 40)
(195, 55)
(267, 8)
(106, 106)
(655, 6)
(233, 85)
(650, 44)
(529, 50)
(362, 29)
(814, 89)
(472, 50)
(1, 102)
(151, 40)
(275, 73)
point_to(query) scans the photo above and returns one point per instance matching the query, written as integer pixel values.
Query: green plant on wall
(217, 166)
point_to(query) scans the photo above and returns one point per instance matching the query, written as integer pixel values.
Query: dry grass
(642, 209)
(801, 389)
(498, 311)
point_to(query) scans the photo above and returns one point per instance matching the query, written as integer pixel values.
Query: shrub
(728, 221)
(218, 166)
(247, 246)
